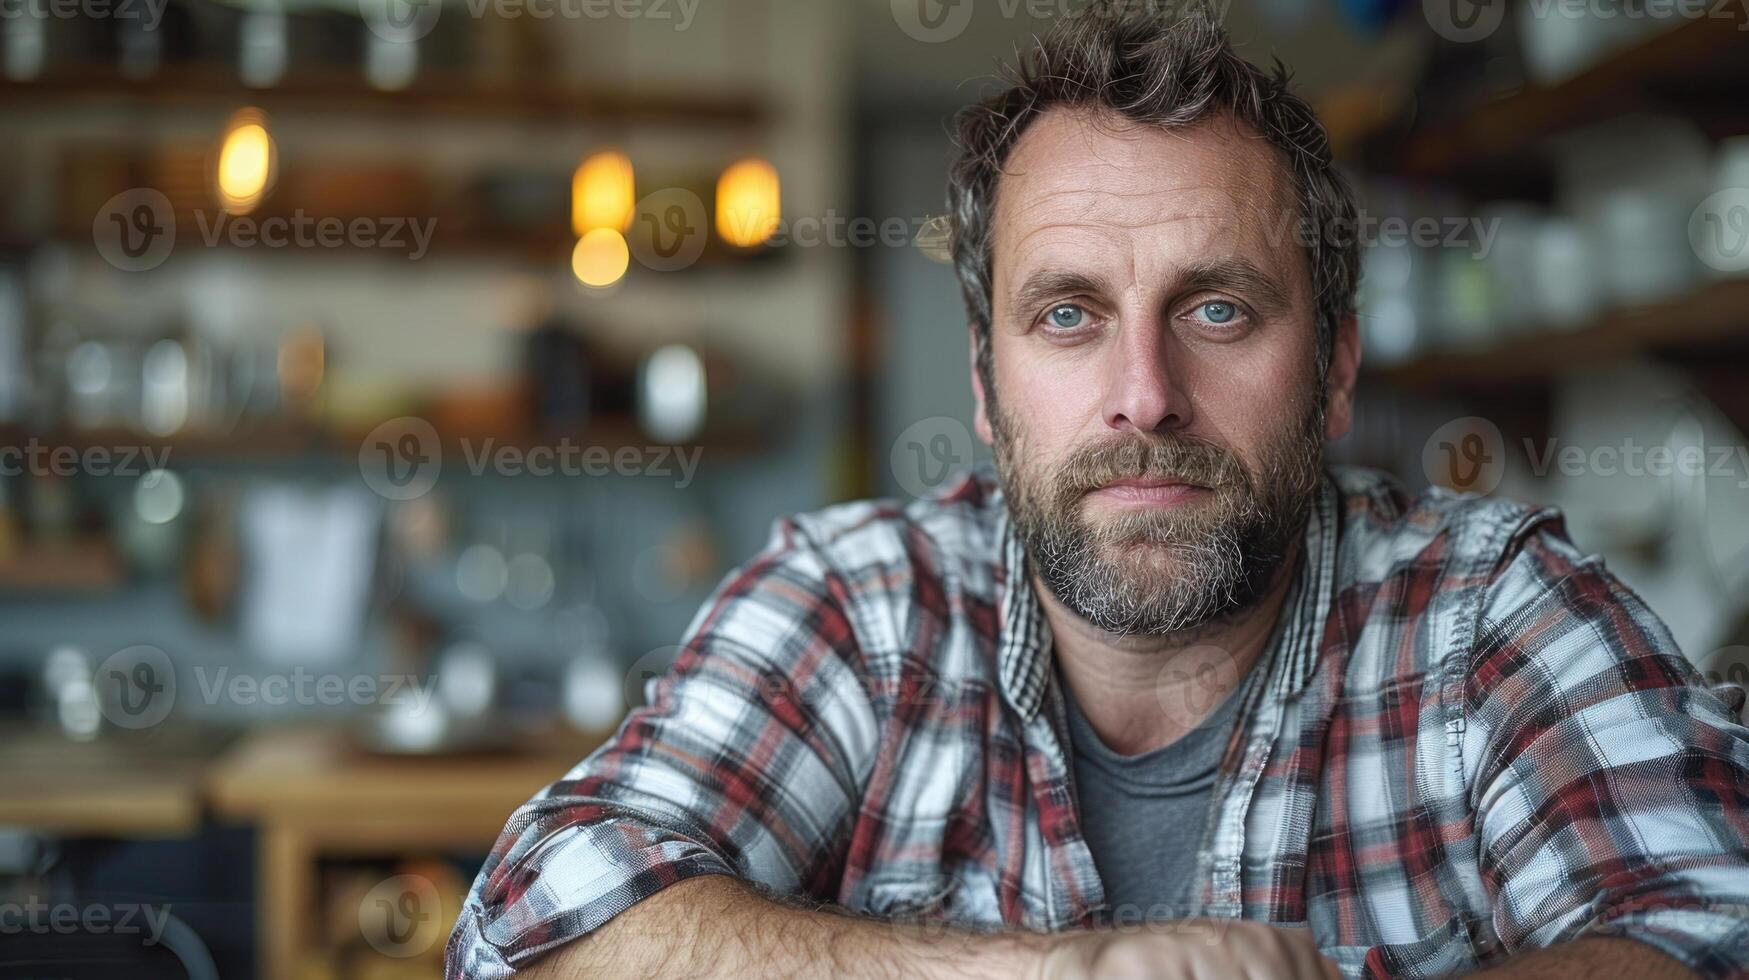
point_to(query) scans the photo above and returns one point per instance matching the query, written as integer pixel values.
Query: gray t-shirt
(1143, 816)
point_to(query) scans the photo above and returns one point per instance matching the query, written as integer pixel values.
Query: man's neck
(1141, 693)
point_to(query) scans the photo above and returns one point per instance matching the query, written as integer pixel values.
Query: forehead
(1082, 188)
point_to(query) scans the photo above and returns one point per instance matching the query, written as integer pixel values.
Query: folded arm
(1610, 784)
(723, 927)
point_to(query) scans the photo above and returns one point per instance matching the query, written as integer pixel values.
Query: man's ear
(1344, 372)
(981, 418)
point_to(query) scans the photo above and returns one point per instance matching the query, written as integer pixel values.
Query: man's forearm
(1588, 959)
(720, 926)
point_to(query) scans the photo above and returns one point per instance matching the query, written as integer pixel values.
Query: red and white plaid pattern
(1469, 740)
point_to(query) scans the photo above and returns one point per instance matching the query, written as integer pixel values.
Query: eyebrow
(1237, 275)
(1241, 276)
(1048, 284)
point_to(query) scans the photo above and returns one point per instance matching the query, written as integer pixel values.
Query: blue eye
(1068, 316)
(1219, 311)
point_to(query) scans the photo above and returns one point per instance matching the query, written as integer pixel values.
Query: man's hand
(1192, 949)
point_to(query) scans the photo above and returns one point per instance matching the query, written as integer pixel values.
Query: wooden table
(308, 791)
(311, 794)
(132, 785)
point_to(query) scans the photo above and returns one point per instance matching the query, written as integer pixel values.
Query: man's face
(1157, 415)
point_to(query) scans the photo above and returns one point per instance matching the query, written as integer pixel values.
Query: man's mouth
(1149, 491)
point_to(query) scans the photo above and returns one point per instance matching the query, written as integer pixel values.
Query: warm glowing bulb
(601, 257)
(603, 193)
(748, 210)
(246, 162)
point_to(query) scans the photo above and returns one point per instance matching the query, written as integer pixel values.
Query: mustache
(1185, 459)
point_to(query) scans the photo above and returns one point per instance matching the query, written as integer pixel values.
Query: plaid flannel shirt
(1469, 740)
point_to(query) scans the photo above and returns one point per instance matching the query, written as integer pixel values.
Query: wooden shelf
(266, 442)
(1714, 316)
(1694, 70)
(251, 442)
(81, 565)
(328, 92)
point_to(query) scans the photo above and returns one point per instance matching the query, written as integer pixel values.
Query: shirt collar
(1023, 649)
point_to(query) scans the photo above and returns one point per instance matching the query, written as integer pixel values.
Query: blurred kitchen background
(383, 386)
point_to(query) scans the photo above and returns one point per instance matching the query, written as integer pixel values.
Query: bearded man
(1163, 695)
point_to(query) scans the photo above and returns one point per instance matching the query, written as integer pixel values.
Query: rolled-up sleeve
(748, 761)
(1610, 783)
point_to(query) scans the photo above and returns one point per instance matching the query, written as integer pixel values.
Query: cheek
(1052, 403)
(1251, 408)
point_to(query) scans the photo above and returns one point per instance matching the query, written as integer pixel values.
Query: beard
(1162, 570)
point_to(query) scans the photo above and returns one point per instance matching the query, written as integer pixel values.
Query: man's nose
(1144, 380)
